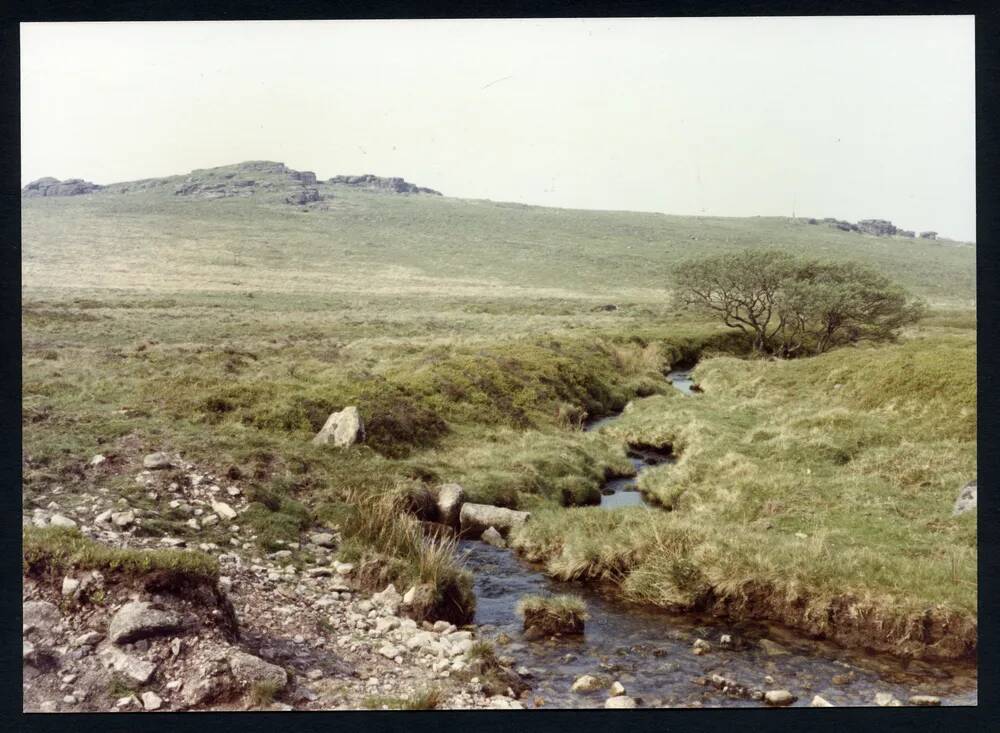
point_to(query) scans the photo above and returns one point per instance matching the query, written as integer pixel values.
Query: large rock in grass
(477, 518)
(49, 186)
(344, 428)
(157, 461)
(250, 670)
(450, 498)
(966, 500)
(140, 620)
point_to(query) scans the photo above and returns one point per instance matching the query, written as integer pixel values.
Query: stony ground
(308, 638)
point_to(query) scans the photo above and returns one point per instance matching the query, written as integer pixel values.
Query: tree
(791, 306)
(742, 289)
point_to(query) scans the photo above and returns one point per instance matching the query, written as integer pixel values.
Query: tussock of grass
(262, 694)
(56, 551)
(526, 469)
(379, 525)
(557, 614)
(274, 518)
(428, 699)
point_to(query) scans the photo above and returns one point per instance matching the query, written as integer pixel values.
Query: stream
(650, 652)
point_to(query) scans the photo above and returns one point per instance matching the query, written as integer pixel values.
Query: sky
(853, 117)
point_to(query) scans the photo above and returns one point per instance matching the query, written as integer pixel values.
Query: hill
(262, 226)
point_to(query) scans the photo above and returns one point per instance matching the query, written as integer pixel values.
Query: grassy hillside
(471, 335)
(360, 241)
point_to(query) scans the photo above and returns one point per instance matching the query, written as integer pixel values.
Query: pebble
(779, 698)
(586, 683)
(886, 700)
(621, 702)
(70, 586)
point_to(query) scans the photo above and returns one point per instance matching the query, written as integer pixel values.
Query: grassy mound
(548, 615)
(53, 552)
(816, 492)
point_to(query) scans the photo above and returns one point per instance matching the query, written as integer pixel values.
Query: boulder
(700, 647)
(587, 683)
(39, 615)
(925, 700)
(344, 428)
(157, 461)
(378, 183)
(475, 519)
(151, 701)
(966, 500)
(820, 702)
(928, 235)
(779, 698)
(621, 702)
(250, 670)
(60, 520)
(88, 638)
(223, 510)
(772, 648)
(450, 498)
(388, 598)
(208, 683)
(136, 670)
(877, 227)
(886, 700)
(70, 586)
(492, 537)
(302, 196)
(616, 689)
(49, 186)
(141, 620)
(123, 519)
(323, 539)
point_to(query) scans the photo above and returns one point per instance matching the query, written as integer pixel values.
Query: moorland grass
(57, 551)
(474, 339)
(825, 477)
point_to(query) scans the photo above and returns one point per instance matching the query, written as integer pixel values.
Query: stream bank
(653, 653)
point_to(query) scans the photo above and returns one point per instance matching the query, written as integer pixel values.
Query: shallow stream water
(650, 651)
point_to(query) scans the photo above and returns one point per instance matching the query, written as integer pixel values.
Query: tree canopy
(790, 306)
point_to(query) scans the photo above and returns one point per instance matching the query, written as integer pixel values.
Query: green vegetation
(558, 614)
(378, 524)
(262, 694)
(121, 686)
(57, 551)
(790, 306)
(475, 338)
(428, 699)
(819, 479)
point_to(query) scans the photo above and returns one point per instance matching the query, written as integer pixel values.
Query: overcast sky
(846, 117)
